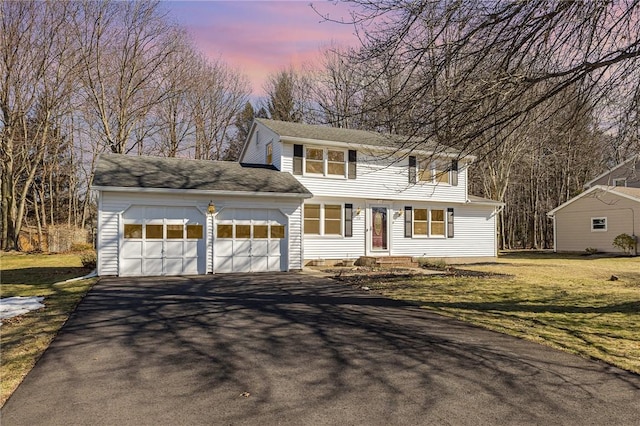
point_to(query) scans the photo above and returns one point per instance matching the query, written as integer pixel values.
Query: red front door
(379, 238)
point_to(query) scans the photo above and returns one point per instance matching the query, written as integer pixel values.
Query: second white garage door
(250, 240)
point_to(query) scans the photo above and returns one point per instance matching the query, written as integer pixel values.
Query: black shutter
(353, 160)
(348, 220)
(297, 159)
(450, 222)
(412, 169)
(454, 172)
(408, 218)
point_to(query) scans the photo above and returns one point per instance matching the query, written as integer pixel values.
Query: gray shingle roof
(123, 171)
(352, 136)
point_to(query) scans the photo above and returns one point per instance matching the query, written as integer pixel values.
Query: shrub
(625, 242)
(78, 247)
(591, 250)
(88, 259)
(429, 263)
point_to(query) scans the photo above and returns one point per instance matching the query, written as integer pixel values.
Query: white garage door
(250, 240)
(162, 241)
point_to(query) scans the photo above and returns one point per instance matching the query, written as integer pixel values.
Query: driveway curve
(293, 349)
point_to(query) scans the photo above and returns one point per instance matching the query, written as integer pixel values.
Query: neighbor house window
(326, 162)
(620, 182)
(269, 153)
(598, 223)
(323, 219)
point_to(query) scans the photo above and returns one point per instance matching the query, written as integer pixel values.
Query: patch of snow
(14, 306)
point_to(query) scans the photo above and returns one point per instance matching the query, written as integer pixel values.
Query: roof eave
(201, 192)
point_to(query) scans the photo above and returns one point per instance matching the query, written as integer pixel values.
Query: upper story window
(269, 153)
(325, 161)
(620, 182)
(434, 171)
(438, 171)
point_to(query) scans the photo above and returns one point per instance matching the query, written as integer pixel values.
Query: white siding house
(299, 194)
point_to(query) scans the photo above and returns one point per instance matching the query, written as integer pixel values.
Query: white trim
(599, 229)
(200, 192)
(372, 148)
(606, 189)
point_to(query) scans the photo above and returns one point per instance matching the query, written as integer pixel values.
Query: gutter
(202, 192)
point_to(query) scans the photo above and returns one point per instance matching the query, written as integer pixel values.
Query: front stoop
(387, 261)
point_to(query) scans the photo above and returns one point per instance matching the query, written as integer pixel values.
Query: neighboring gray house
(609, 207)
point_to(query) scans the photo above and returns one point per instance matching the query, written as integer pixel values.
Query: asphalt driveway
(299, 350)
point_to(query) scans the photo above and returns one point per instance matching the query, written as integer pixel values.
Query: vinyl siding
(629, 171)
(114, 203)
(573, 222)
(256, 148)
(474, 228)
(383, 181)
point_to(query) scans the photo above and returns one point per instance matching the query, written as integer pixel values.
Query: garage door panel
(274, 264)
(191, 248)
(173, 246)
(190, 266)
(260, 248)
(153, 266)
(173, 266)
(259, 263)
(224, 264)
(241, 247)
(153, 249)
(274, 247)
(132, 249)
(131, 267)
(241, 264)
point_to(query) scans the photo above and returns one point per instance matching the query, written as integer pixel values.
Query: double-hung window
(429, 222)
(325, 161)
(434, 171)
(323, 219)
(598, 224)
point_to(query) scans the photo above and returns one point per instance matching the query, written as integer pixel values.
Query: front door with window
(379, 229)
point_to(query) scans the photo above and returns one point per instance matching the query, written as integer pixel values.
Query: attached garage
(170, 216)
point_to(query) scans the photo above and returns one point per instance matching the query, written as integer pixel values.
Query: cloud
(261, 37)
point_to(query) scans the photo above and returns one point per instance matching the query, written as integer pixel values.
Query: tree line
(545, 95)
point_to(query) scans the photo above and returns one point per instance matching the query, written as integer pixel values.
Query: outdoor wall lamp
(211, 208)
(358, 211)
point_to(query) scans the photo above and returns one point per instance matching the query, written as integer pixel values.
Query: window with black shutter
(408, 219)
(348, 220)
(353, 160)
(297, 159)
(412, 169)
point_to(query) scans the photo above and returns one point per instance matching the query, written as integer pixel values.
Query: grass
(564, 301)
(23, 339)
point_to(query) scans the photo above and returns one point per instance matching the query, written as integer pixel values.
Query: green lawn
(567, 302)
(23, 339)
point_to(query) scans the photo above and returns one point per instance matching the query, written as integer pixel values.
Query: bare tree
(219, 96)
(38, 63)
(519, 53)
(124, 47)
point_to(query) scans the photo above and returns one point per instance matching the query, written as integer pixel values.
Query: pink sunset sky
(262, 37)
